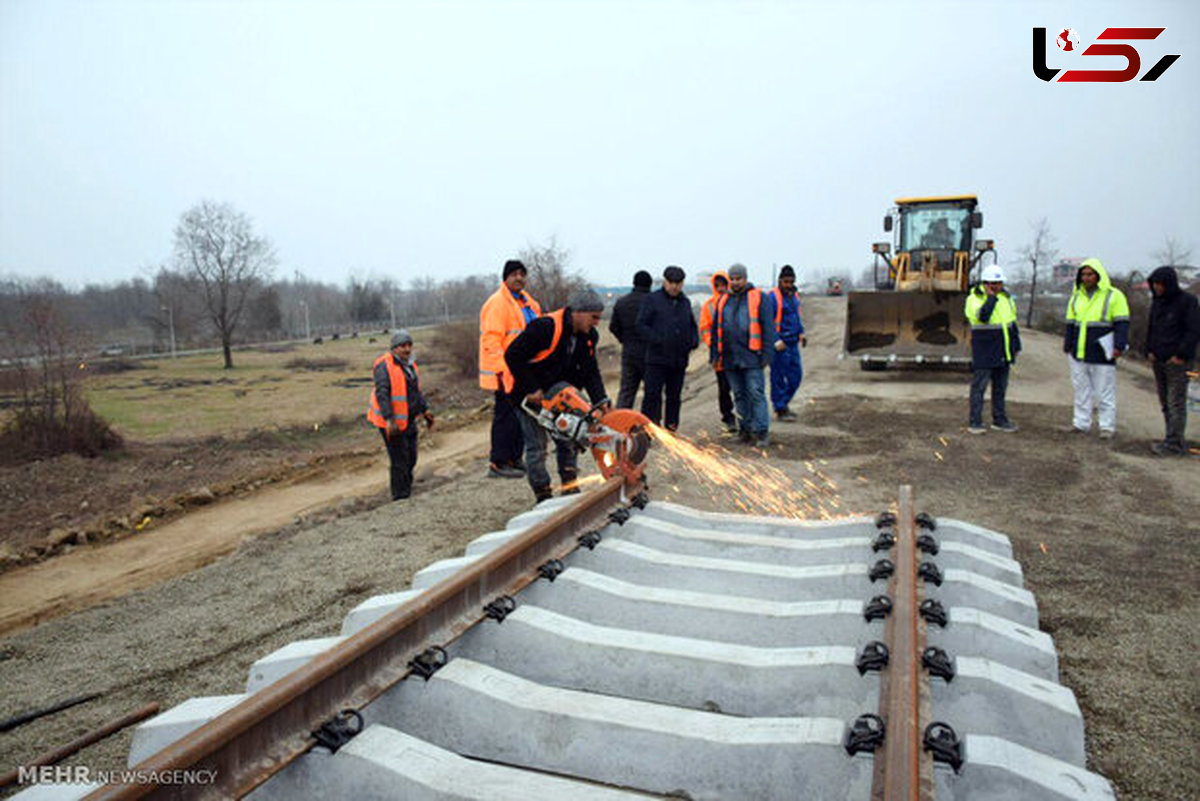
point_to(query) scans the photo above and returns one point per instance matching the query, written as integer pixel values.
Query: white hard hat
(993, 273)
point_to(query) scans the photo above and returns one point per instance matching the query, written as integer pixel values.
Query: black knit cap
(787, 272)
(642, 279)
(673, 273)
(511, 266)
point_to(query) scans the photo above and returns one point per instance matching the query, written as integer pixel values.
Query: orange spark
(753, 485)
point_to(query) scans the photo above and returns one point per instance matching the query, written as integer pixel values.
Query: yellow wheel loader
(913, 317)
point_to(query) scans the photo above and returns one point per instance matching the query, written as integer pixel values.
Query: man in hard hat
(1097, 334)
(396, 404)
(504, 315)
(560, 346)
(995, 342)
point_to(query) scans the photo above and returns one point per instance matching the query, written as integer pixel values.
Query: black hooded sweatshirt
(1174, 319)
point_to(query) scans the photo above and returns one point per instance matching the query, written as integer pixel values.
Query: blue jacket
(669, 328)
(735, 320)
(791, 325)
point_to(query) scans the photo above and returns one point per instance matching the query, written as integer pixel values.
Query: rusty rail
(257, 738)
(82, 742)
(903, 771)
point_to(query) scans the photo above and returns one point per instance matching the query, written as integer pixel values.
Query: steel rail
(254, 740)
(903, 771)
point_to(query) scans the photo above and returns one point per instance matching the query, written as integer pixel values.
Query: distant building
(1063, 273)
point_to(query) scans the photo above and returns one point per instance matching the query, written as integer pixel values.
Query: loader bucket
(907, 329)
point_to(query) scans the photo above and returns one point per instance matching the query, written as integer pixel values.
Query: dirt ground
(1101, 529)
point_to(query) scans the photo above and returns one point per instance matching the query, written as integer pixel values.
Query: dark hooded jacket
(1174, 319)
(669, 328)
(573, 360)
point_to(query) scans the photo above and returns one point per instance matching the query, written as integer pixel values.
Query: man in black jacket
(1171, 348)
(667, 324)
(557, 347)
(633, 347)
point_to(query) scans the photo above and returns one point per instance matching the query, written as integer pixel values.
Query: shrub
(457, 344)
(50, 413)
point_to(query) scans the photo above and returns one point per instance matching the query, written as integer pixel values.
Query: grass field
(194, 397)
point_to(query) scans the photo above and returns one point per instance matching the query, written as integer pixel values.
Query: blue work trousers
(749, 393)
(787, 372)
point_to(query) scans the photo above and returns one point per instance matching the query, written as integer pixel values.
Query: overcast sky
(397, 140)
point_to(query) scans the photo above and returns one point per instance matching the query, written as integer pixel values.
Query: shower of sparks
(750, 483)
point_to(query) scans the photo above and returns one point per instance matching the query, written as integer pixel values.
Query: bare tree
(216, 243)
(549, 281)
(1039, 252)
(1173, 254)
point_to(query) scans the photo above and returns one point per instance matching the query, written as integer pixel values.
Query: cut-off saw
(618, 440)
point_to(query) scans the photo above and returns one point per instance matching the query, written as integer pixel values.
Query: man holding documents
(1097, 334)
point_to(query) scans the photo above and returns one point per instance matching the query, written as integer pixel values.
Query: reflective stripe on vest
(399, 384)
(1102, 324)
(754, 304)
(1006, 314)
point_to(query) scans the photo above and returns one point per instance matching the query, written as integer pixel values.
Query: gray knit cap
(401, 337)
(585, 300)
(738, 270)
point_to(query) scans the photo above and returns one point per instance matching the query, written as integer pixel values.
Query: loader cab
(933, 240)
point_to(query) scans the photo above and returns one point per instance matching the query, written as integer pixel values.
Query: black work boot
(542, 493)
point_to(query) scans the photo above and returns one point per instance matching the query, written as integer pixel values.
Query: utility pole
(171, 323)
(307, 329)
(392, 309)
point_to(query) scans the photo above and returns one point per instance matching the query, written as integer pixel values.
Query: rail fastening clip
(866, 734)
(340, 730)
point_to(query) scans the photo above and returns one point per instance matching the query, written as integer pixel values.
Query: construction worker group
(524, 354)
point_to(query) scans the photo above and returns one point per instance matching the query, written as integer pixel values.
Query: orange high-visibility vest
(542, 355)
(399, 384)
(778, 293)
(754, 301)
(706, 318)
(501, 320)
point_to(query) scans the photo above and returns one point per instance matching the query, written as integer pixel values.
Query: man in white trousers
(1097, 334)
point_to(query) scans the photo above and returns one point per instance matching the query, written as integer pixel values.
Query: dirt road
(1100, 528)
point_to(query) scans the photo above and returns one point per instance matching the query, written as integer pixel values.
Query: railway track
(606, 647)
